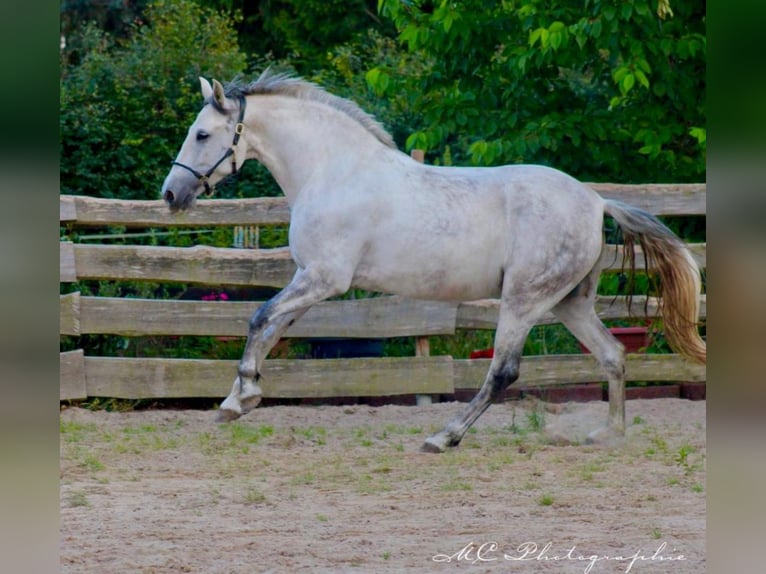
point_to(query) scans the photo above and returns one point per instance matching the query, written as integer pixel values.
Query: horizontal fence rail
(144, 378)
(659, 199)
(91, 211)
(380, 317)
(84, 376)
(222, 265)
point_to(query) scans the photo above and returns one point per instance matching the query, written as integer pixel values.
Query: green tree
(605, 89)
(304, 32)
(113, 16)
(126, 104)
(345, 73)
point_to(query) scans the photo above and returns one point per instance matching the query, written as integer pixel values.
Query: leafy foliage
(125, 105)
(611, 90)
(303, 32)
(349, 67)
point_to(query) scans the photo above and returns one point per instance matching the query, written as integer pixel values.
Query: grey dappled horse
(365, 215)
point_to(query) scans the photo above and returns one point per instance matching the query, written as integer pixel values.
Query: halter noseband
(238, 129)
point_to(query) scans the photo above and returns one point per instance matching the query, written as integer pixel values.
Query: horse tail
(679, 275)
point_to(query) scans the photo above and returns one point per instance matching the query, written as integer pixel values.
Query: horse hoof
(432, 447)
(250, 403)
(226, 416)
(605, 436)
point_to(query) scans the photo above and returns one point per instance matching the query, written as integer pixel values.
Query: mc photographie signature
(531, 552)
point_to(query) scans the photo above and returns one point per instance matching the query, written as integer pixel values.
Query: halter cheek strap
(204, 177)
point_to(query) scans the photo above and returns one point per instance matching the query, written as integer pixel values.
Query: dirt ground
(345, 489)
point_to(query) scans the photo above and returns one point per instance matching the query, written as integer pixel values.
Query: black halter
(238, 129)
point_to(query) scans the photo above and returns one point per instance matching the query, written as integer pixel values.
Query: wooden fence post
(422, 346)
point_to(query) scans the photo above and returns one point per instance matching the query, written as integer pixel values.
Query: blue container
(345, 348)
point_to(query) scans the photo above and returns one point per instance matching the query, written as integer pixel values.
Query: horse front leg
(267, 325)
(246, 393)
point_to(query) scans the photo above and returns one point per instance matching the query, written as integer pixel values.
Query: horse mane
(285, 84)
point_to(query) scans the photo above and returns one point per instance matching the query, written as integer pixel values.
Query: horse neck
(301, 141)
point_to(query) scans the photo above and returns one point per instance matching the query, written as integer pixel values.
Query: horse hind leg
(512, 331)
(577, 313)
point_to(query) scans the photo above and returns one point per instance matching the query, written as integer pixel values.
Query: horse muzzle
(178, 197)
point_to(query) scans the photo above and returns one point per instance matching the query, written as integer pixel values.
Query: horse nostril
(168, 195)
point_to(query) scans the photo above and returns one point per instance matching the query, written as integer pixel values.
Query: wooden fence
(85, 376)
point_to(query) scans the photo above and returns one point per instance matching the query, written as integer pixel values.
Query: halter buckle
(239, 128)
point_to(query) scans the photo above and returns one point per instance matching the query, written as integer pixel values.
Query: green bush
(606, 90)
(126, 105)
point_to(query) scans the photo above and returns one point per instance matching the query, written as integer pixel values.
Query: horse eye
(202, 135)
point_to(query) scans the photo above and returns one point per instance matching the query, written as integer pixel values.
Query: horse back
(448, 233)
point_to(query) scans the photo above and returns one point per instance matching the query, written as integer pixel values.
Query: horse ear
(218, 93)
(207, 89)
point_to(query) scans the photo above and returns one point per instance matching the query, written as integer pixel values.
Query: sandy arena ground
(345, 489)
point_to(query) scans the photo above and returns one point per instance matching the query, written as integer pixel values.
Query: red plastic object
(482, 354)
(635, 340)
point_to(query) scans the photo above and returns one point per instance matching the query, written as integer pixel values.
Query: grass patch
(254, 496)
(659, 446)
(536, 419)
(240, 433)
(373, 484)
(456, 486)
(500, 461)
(317, 435)
(401, 430)
(545, 500)
(77, 499)
(688, 464)
(74, 432)
(92, 463)
(303, 479)
(141, 429)
(589, 468)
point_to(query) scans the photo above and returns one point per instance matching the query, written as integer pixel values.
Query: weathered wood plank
(168, 378)
(544, 370)
(67, 208)
(72, 382)
(215, 265)
(67, 266)
(155, 213)
(130, 378)
(199, 264)
(659, 198)
(69, 314)
(483, 314)
(377, 317)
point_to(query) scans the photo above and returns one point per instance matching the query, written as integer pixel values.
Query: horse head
(212, 139)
